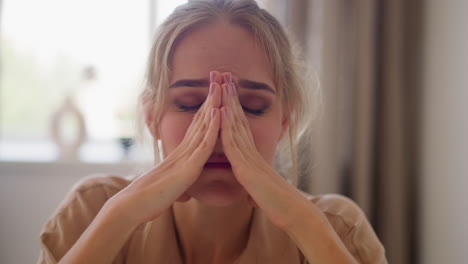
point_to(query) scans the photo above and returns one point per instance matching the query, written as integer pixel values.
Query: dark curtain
(367, 55)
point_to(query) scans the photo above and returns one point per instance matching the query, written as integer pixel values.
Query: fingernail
(212, 76)
(213, 112)
(212, 88)
(229, 77)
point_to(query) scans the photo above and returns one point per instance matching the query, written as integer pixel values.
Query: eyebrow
(190, 83)
(248, 84)
(256, 85)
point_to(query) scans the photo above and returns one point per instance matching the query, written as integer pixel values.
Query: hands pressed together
(220, 115)
(148, 196)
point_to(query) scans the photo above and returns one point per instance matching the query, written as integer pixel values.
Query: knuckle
(199, 114)
(203, 127)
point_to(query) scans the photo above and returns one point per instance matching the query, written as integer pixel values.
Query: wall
(444, 230)
(29, 194)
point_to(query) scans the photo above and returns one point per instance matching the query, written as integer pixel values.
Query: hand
(155, 191)
(266, 188)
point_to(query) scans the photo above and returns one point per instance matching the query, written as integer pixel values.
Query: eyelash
(188, 108)
(258, 112)
(196, 107)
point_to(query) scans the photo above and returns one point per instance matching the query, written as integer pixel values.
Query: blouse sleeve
(74, 215)
(351, 225)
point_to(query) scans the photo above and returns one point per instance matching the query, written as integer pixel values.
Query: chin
(216, 190)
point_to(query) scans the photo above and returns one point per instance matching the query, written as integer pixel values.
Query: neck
(212, 234)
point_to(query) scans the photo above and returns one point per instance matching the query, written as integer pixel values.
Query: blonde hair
(269, 34)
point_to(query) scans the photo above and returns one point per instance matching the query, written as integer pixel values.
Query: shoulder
(336, 205)
(351, 224)
(333, 204)
(109, 184)
(90, 193)
(76, 212)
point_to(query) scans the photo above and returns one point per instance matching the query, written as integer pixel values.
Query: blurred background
(392, 132)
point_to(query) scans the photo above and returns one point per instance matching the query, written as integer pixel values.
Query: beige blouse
(157, 242)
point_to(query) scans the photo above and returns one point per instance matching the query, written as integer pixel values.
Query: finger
(215, 96)
(229, 120)
(216, 76)
(227, 139)
(205, 137)
(239, 112)
(199, 115)
(234, 104)
(200, 122)
(240, 122)
(213, 100)
(226, 133)
(204, 149)
(230, 100)
(201, 154)
(199, 131)
(227, 77)
(196, 123)
(201, 119)
(226, 122)
(236, 142)
(225, 95)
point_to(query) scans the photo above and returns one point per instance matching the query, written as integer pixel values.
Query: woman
(222, 94)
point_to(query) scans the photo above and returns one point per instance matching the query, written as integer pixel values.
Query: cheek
(172, 130)
(266, 134)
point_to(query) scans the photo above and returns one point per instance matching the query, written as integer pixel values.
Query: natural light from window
(93, 51)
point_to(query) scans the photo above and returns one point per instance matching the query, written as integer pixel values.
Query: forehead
(222, 47)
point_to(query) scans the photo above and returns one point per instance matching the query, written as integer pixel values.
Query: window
(93, 51)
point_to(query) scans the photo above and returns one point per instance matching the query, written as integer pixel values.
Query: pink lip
(223, 165)
(217, 158)
(218, 161)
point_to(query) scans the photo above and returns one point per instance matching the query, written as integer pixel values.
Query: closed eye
(189, 108)
(194, 108)
(258, 112)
